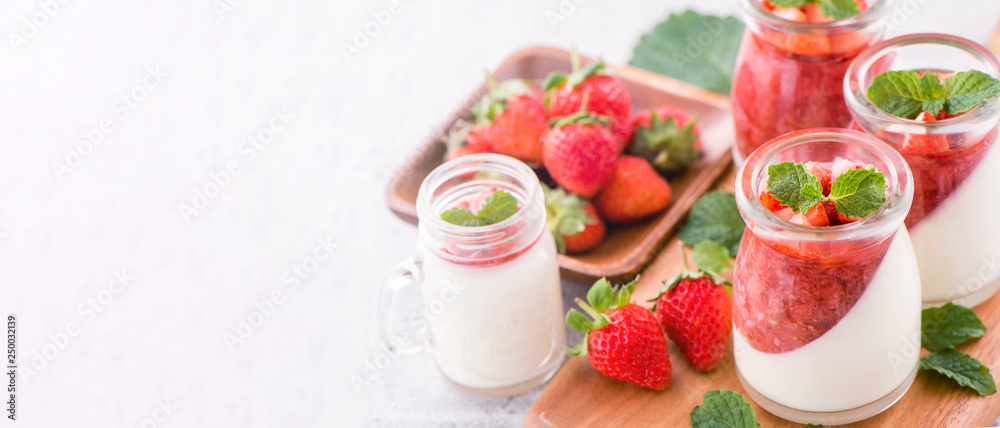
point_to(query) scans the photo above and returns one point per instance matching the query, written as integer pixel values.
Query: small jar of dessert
(487, 268)
(826, 291)
(791, 63)
(933, 98)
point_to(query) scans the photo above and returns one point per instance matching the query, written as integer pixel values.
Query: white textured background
(160, 340)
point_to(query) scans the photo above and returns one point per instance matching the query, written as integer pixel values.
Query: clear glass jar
(953, 221)
(492, 293)
(826, 319)
(789, 75)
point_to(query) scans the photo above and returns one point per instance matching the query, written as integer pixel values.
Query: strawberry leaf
(710, 256)
(581, 348)
(723, 408)
(601, 295)
(716, 218)
(579, 321)
(949, 326)
(676, 48)
(961, 368)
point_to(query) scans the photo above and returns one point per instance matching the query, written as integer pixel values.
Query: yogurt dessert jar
(490, 288)
(790, 68)
(826, 306)
(954, 158)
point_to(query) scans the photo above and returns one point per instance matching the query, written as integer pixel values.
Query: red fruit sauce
(786, 82)
(788, 292)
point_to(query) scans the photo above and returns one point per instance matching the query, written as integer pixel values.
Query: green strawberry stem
(588, 309)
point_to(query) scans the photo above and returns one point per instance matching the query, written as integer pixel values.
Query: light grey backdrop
(193, 228)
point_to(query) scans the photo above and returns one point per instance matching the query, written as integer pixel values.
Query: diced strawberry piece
(798, 219)
(816, 216)
(824, 175)
(830, 209)
(849, 42)
(841, 165)
(768, 5)
(790, 14)
(815, 15)
(770, 202)
(925, 117)
(785, 213)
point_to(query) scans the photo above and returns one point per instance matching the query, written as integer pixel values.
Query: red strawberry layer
(788, 82)
(787, 294)
(497, 253)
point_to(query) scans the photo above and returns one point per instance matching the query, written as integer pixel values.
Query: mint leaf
(711, 257)
(833, 9)
(461, 217)
(714, 217)
(499, 206)
(906, 94)
(968, 89)
(695, 48)
(902, 93)
(961, 368)
(858, 192)
(838, 9)
(723, 408)
(815, 426)
(793, 185)
(948, 326)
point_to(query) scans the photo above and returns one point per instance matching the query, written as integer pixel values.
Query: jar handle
(401, 276)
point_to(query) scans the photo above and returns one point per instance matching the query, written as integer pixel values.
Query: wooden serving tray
(627, 248)
(579, 396)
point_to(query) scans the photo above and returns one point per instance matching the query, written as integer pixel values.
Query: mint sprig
(498, 207)
(906, 94)
(949, 326)
(855, 193)
(833, 9)
(723, 408)
(961, 368)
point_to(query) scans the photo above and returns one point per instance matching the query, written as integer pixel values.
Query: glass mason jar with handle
(826, 319)
(492, 293)
(955, 163)
(789, 74)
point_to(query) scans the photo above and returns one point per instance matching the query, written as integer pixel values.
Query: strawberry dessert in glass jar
(826, 291)
(948, 137)
(791, 63)
(486, 265)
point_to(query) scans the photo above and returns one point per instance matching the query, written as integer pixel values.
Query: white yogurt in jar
(958, 244)
(495, 326)
(867, 355)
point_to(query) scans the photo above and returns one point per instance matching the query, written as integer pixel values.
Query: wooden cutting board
(579, 396)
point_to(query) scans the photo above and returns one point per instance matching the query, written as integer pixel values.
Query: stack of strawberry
(578, 130)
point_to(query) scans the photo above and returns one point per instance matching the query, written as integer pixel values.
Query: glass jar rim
(884, 221)
(857, 98)
(432, 228)
(754, 9)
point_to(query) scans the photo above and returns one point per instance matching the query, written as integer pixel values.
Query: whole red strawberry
(696, 312)
(579, 153)
(604, 95)
(634, 191)
(573, 222)
(510, 120)
(458, 144)
(667, 137)
(624, 340)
